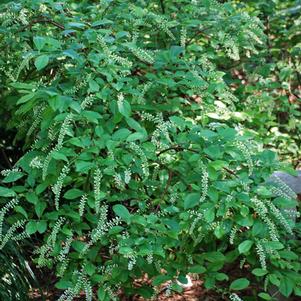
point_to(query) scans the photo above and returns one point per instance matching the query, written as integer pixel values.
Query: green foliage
(126, 170)
(269, 83)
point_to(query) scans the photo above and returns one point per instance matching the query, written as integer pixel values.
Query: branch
(45, 20)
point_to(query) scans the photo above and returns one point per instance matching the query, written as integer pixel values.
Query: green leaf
(6, 192)
(122, 212)
(191, 200)
(41, 226)
(78, 245)
(40, 207)
(197, 269)
(221, 277)
(92, 116)
(125, 108)
(63, 284)
(59, 156)
(90, 268)
(274, 279)
(21, 210)
(160, 279)
(286, 286)
(239, 284)
(26, 98)
(13, 176)
(31, 197)
(41, 62)
(265, 296)
(121, 134)
(259, 272)
(31, 227)
(101, 294)
(39, 42)
(245, 246)
(83, 166)
(73, 193)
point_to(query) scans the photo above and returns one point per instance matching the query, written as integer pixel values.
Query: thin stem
(162, 6)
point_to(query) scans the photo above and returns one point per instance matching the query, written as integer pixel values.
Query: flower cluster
(120, 101)
(109, 55)
(38, 111)
(145, 88)
(197, 216)
(261, 253)
(82, 204)
(10, 233)
(183, 37)
(118, 181)
(10, 205)
(262, 211)
(62, 257)
(132, 261)
(52, 133)
(162, 23)
(103, 226)
(7, 172)
(142, 54)
(281, 189)
(162, 129)
(279, 216)
(137, 149)
(82, 282)
(232, 236)
(78, 85)
(45, 250)
(96, 188)
(149, 258)
(63, 131)
(88, 101)
(231, 48)
(127, 176)
(204, 182)
(246, 153)
(235, 297)
(57, 188)
(36, 162)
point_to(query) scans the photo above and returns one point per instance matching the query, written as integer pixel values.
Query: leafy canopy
(133, 163)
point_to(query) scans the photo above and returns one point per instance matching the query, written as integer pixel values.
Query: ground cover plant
(132, 158)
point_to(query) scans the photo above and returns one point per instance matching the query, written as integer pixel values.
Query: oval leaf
(239, 284)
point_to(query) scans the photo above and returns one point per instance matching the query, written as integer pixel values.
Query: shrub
(126, 170)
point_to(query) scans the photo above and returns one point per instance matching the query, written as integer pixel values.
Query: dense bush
(125, 170)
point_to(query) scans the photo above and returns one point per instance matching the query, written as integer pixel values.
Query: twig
(45, 20)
